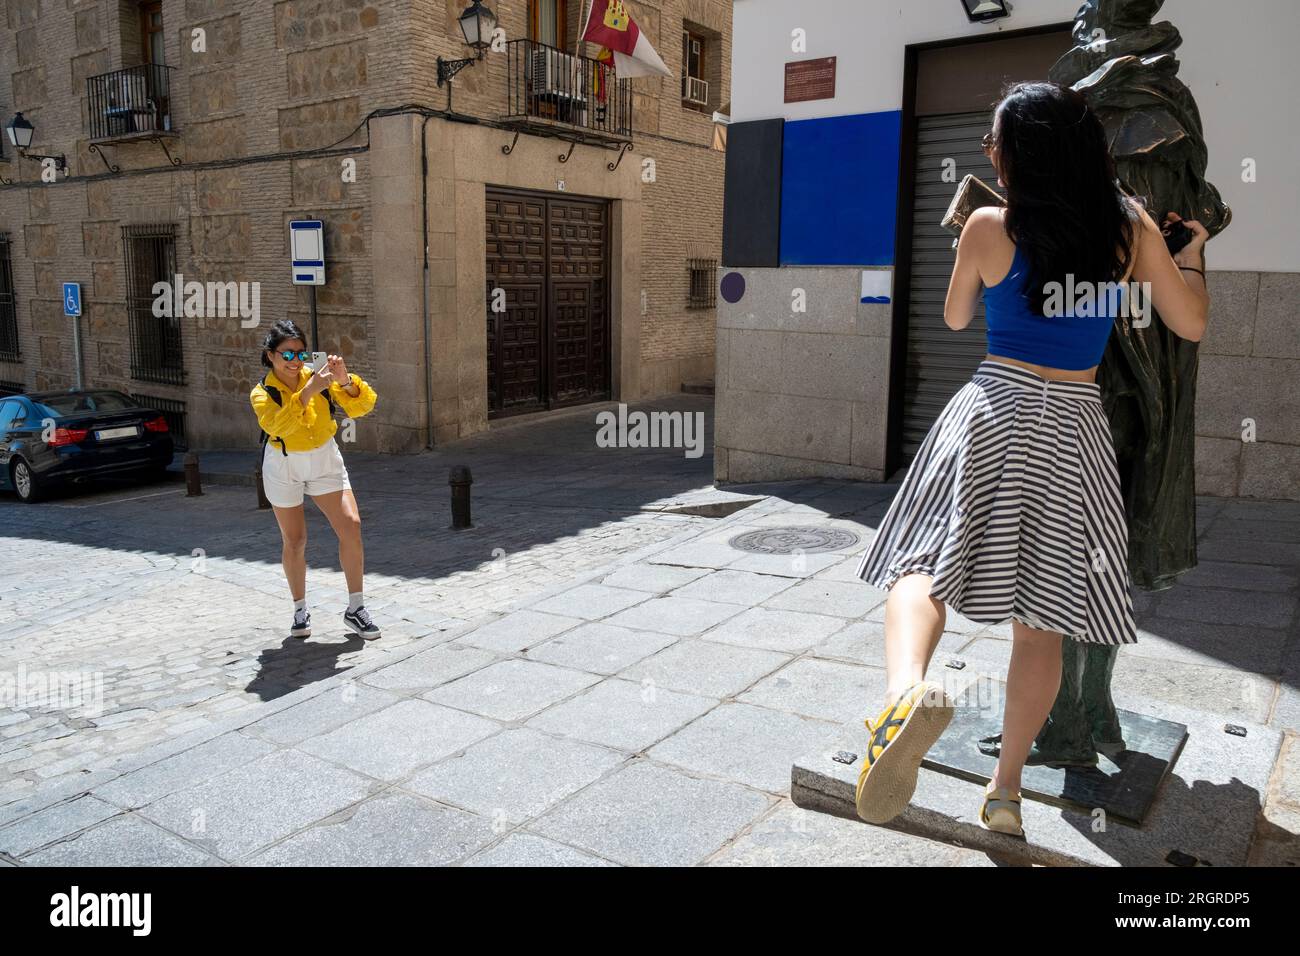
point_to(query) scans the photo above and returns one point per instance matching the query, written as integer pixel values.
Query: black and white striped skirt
(1013, 507)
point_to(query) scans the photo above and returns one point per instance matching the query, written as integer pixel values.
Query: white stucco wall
(1238, 58)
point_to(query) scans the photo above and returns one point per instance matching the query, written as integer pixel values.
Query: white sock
(355, 600)
(299, 605)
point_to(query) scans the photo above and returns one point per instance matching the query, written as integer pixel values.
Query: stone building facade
(331, 109)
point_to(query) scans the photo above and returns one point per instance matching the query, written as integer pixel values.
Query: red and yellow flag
(611, 25)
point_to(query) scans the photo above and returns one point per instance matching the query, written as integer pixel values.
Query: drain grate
(794, 540)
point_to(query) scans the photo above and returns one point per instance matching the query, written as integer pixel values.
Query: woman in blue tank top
(1012, 507)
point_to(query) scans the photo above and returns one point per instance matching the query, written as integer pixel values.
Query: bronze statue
(1125, 65)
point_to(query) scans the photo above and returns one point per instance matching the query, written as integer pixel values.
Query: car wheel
(24, 481)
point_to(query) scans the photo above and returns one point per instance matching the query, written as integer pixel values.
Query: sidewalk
(176, 610)
(649, 711)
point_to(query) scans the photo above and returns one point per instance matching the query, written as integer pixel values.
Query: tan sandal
(900, 737)
(1001, 811)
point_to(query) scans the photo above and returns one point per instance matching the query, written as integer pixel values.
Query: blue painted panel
(839, 190)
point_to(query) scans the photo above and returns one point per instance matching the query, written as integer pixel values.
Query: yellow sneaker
(900, 737)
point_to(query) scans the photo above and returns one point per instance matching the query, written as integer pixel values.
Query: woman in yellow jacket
(301, 457)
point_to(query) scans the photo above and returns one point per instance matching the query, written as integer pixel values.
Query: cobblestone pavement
(170, 612)
(648, 712)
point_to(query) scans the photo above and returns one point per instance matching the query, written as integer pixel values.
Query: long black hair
(1064, 205)
(282, 331)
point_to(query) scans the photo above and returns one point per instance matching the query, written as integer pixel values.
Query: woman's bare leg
(340, 508)
(293, 554)
(1033, 680)
(913, 625)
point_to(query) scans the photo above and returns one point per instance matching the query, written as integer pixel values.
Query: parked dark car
(55, 438)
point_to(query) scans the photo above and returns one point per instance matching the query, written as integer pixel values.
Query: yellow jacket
(306, 427)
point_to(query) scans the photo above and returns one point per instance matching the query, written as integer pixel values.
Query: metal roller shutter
(939, 360)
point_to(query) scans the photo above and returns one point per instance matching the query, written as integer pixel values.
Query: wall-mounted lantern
(476, 26)
(20, 132)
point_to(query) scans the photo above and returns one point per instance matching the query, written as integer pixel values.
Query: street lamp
(476, 26)
(986, 11)
(20, 132)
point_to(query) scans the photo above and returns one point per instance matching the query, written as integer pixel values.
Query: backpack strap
(274, 394)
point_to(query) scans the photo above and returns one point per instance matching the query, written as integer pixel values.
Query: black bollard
(460, 480)
(262, 502)
(192, 487)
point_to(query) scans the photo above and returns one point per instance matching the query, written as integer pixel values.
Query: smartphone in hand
(319, 360)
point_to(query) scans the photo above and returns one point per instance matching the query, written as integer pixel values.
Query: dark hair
(1064, 206)
(282, 331)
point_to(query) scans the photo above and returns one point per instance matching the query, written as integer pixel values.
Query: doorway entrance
(550, 345)
(950, 92)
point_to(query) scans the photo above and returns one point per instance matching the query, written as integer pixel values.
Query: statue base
(1201, 811)
(1123, 782)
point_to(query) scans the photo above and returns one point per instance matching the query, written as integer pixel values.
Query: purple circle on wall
(733, 287)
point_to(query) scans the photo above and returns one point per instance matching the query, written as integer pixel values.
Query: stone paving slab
(707, 669)
(647, 815)
(793, 836)
(48, 825)
(600, 648)
(126, 840)
(390, 743)
(393, 829)
(525, 849)
(259, 803)
(515, 775)
(624, 715)
(512, 690)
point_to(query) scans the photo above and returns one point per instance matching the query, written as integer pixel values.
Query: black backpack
(276, 397)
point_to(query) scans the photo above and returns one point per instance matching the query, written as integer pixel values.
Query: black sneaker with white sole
(301, 624)
(360, 623)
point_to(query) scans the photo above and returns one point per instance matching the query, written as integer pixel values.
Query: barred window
(703, 289)
(11, 388)
(156, 354)
(172, 410)
(9, 350)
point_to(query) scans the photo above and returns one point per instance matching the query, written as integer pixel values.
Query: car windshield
(82, 403)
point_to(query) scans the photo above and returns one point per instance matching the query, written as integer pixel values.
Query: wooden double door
(548, 337)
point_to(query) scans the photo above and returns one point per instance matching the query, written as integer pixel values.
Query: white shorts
(286, 478)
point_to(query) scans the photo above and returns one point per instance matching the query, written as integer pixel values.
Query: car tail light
(159, 424)
(68, 436)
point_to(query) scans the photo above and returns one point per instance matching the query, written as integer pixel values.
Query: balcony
(131, 103)
(571, 92)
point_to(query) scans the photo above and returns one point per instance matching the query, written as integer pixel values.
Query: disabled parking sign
(72, 299)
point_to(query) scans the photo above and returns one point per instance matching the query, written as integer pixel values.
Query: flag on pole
(610, 25)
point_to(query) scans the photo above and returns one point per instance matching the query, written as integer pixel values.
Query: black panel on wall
(751, 217)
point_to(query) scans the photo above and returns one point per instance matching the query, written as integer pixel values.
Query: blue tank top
(1065, 341)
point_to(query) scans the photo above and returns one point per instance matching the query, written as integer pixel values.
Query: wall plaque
(810, 80)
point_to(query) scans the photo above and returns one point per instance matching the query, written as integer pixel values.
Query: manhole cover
(794, 540)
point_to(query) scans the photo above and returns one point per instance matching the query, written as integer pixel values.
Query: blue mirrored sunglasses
(289, 355)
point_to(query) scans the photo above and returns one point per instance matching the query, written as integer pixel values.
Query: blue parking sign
(72, 298)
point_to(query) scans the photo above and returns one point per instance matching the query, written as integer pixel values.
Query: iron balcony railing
(577, 91)
(130, 102)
